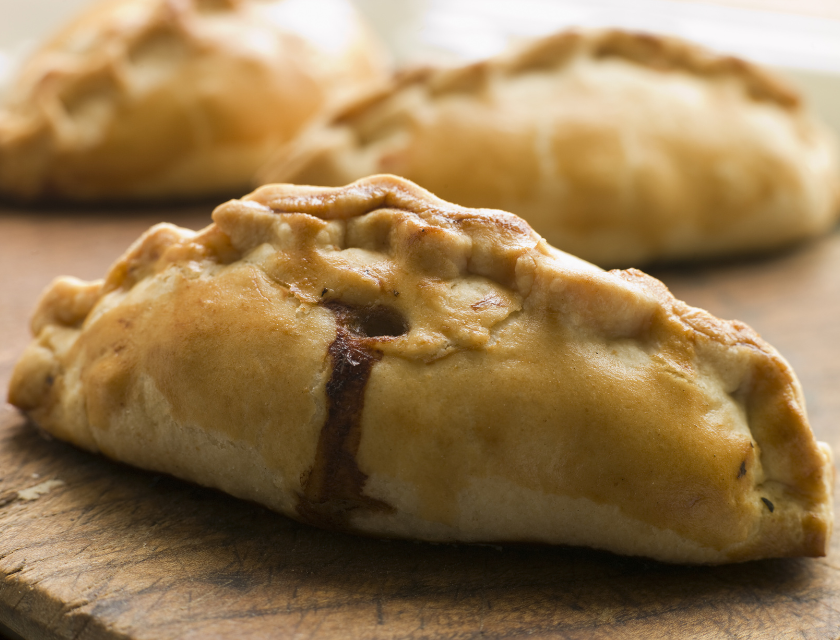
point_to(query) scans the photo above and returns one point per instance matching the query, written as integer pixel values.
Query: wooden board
(107, 551)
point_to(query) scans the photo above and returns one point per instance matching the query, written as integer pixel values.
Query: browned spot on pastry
(216, 5)
(815, 538)
(743, 470)
(334, 486)
(769, 504)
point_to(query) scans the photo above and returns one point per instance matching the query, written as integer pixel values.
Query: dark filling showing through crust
(333, 487)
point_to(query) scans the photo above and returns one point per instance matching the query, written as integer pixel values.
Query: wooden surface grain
(93, 549)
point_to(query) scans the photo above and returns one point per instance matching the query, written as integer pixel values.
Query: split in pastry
(373, 359)
(176, 99)
(619, 148)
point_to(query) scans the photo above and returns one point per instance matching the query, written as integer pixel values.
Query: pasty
(374, 359)
(617, 147)
(176, 99)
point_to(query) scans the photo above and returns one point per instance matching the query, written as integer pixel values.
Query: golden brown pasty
(176, 99)
(374, 359)
(617, 147)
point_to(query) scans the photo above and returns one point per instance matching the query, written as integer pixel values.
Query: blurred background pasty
(374, 359)
(176, 99)
(620, 148)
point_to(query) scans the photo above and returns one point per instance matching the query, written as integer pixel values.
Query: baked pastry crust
(374, 359)
(176, 99)
(620, 148)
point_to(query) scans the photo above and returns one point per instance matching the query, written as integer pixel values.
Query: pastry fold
(176, 99)
(373, 359)
(617, 147)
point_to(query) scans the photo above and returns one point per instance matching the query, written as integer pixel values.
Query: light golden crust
(374, 359)
(620, 148)
(173, 99)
